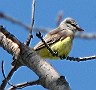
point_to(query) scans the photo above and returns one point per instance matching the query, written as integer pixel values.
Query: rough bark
(25, 55)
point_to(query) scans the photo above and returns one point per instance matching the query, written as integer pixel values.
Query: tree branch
(6, 79)
(86, 36)
(3, 69)
(28, 57)
(81, 58)
(2, 15)
(23, 85)
(30, 31)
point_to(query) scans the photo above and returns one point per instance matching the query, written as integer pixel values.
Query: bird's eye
(72, 22)
(73, 25)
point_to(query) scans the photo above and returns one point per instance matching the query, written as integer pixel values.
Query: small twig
(86, 35)
(23, 85)
(78, 59)
(3, 69)
(46, 45)
(6, 79)
(33, 13)
(30, 31)
(2, 15)
(3, 75)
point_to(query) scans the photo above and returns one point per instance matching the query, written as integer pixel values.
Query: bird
(59, 40)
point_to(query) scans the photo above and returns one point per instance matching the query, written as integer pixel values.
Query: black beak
(79, 29)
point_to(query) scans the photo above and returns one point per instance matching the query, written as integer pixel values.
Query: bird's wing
(51, 38)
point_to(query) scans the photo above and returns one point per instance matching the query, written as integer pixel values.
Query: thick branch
(9, 42)
(43, 70)
(28, 57)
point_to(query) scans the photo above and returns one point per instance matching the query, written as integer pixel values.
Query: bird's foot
(55, 53)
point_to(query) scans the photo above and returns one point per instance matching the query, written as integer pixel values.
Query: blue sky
(80, 75)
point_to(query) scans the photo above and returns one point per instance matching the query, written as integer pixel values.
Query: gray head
(70, 24)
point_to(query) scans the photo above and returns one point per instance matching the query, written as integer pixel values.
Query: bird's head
(70, 24)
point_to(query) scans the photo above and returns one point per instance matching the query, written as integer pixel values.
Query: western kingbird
(59, 40)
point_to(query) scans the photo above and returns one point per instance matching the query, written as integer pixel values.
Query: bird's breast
(63, 47)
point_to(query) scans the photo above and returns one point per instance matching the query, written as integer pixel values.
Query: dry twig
(81, 58)
(6, 79)
(23, 85)
(30, 31)
(2, 15)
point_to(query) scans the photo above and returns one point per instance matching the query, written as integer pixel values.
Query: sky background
(80, 75)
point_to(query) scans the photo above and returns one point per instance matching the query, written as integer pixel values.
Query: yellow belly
(63, 48)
